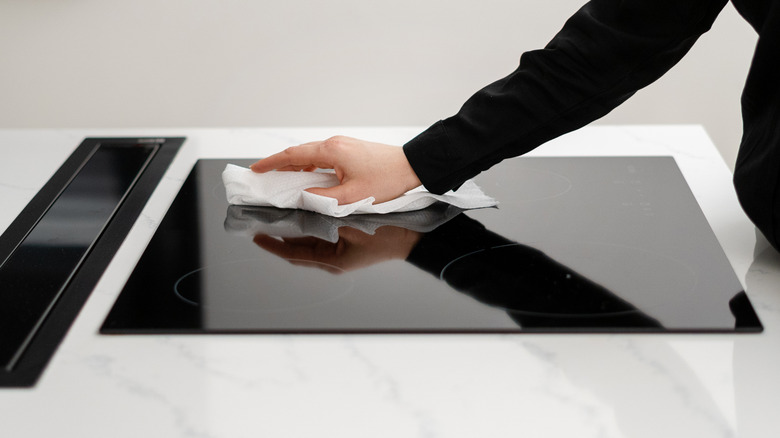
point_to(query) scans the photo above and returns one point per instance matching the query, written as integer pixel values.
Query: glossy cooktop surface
(609, 244)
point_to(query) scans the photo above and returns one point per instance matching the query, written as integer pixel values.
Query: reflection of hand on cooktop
(353, 250)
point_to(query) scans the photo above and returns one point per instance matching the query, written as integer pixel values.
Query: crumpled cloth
(286, 223)
(287, 190)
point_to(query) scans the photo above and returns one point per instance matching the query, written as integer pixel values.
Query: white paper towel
(251, 221)
(287, 190)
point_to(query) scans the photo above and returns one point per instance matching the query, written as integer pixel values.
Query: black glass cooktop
(614, 244)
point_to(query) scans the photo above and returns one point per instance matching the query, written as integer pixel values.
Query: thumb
(343, 193)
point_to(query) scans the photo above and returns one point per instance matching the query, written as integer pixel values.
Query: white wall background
(182, 63)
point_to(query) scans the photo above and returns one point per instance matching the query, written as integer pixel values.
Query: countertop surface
(537, 385)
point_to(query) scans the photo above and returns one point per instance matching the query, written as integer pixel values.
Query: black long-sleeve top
(605, 52)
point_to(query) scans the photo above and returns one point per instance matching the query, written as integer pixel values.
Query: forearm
(605, 52)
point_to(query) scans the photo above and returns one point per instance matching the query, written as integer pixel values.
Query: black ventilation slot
(57, 248)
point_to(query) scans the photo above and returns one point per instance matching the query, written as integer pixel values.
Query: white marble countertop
(400, 386)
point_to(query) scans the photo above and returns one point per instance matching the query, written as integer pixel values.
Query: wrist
(409, 177)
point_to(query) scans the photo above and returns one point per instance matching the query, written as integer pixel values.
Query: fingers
(364, 169)
(289, 159)
(307, 157)
(292, 168)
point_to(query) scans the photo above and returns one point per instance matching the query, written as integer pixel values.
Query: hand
(354, 249)
(364, 169)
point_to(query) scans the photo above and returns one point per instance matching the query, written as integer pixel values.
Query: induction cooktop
(596, 244)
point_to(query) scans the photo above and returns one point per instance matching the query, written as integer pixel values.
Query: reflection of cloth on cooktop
(288, 223)
(287, 190)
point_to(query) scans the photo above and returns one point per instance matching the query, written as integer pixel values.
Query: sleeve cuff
(433, 158)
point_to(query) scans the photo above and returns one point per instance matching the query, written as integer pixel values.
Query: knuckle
(289, 151)
(335, 142)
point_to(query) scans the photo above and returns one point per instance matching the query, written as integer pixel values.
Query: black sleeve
(606, 51)
(757, 169)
